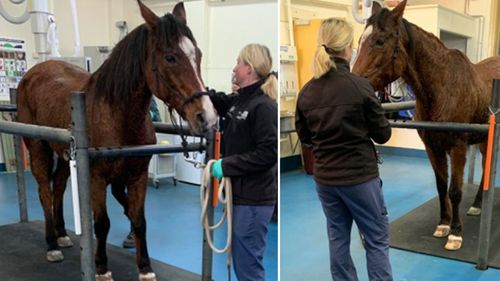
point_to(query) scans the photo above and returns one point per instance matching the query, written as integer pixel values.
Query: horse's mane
(123, 72)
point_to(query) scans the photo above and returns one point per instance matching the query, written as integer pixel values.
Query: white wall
(234, 26)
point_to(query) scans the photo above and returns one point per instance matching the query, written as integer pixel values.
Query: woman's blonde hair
(259, 59)
(333, 37)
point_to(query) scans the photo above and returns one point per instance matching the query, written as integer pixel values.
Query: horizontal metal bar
(441, 126)
(8, 107)
(397, 106)
(170, 129)
(34, 131)
(142, 150)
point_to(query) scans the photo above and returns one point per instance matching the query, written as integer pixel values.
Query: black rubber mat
(22, 258)
(413, 231)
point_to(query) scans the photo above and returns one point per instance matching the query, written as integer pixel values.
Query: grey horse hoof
(473, 211)
(104, 277)
(150, 276)
(55, 256)
(64, 242)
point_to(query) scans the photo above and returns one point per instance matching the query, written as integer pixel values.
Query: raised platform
(22, 258)
(413, 231)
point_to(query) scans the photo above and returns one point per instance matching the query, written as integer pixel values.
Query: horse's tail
(24, 112)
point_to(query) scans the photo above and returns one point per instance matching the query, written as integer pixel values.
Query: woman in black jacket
(249, 151)
(339, 116)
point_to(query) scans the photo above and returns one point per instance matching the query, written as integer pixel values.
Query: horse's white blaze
(189, 49)
(368, 31)
(210, 115)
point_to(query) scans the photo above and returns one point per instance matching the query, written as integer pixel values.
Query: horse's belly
(120, 169)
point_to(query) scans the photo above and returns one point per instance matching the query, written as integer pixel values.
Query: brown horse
(448, 88)
(159, 57)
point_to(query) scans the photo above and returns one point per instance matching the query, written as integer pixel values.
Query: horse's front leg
(475, 209)
(439, 164)
(458, 158)
(101, 227)
(136, 191)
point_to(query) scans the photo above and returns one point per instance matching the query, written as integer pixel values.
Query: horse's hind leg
(136, 190)
(475, 209)
(41, 162)
(101, 227)
(440, 166)
(458, 159)
(60, 179)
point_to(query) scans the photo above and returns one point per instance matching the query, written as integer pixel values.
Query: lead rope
(225, 195)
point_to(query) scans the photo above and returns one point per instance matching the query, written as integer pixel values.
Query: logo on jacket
(242, 115)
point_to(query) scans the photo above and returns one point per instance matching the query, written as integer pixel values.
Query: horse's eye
(170, 59)
(380, 41)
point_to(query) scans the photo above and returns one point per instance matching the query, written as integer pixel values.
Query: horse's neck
(129, 121)
(137, 117)
(425, 70)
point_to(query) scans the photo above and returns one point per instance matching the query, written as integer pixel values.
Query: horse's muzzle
(202, 122)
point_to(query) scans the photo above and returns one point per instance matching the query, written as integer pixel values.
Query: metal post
(18, 151)
(487, 207)
(82, 162)
(207, 255)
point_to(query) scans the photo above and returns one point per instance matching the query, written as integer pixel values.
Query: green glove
(216, 169)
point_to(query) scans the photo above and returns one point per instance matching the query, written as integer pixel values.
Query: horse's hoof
(442, 230)
(473, 211)
(150, 276)
(64, 242)
(55, 256)
(104, 277)
(454, 243)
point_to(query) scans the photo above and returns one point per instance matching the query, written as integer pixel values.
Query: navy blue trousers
(249, 240)
(363, 204)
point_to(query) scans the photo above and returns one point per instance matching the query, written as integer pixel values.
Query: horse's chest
(120, 169)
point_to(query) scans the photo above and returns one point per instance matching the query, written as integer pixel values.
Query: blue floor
(408, 182)
(174, 231)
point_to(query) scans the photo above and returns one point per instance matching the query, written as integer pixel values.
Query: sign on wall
(12, 64)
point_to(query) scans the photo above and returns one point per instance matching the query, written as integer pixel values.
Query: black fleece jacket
(249, 144)
(339, 115)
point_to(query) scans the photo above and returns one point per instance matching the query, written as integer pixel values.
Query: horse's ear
(376, 7)
(180, 13)
(149, 17)
(399, 10)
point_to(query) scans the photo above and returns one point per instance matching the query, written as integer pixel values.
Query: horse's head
(382, 56)
(172, 67)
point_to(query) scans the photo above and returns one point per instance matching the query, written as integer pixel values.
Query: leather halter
(397, 49)
(186, 100)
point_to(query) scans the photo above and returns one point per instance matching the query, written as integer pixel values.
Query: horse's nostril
(200, 117)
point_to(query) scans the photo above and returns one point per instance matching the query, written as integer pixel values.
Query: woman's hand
(216, 169)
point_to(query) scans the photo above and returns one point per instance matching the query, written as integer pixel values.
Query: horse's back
(43, 95)
(489, 68)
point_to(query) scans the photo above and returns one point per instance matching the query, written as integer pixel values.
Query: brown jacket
(339, 115)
